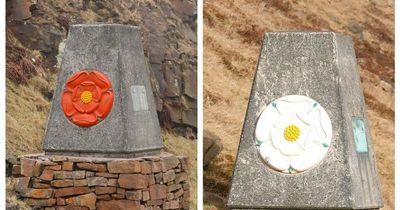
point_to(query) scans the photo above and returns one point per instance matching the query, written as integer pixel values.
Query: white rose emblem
(293, 134)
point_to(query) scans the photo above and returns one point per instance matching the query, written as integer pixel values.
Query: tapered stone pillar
(103, 104)
(306, 142)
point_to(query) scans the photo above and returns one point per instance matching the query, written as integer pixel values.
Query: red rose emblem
(87, 98)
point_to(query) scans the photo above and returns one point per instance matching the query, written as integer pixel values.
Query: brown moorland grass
(233, 31)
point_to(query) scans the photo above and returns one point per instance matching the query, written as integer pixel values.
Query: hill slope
(233, 32)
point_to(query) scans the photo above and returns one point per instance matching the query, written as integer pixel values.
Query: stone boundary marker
(79, 183)
(102, 142)
(268, 174)
(131, 128)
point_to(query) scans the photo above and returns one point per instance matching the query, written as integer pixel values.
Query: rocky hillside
(36, 30)
(168, 34)
(233, 31)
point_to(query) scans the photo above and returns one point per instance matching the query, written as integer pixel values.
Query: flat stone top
(132, 125)
(71, 158)
(302, 63)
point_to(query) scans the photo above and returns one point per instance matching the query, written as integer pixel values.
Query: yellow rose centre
(291, 133)
(86, 97)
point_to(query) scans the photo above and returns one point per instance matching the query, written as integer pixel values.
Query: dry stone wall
(68, 182)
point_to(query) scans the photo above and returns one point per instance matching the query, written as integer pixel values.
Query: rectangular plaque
(359, 135)
(139, 98)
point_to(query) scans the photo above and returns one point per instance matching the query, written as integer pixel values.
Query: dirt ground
(233, 31)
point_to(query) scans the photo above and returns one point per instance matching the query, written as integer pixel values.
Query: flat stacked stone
(70, 182)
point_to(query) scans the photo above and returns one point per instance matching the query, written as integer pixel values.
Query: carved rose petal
(85, 108)
(66, 103)
(77, 79)
(105, 105)
(84, 120)
(90, 107)
(102, 82)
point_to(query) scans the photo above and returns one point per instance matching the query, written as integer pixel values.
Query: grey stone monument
(306, 142)
(118, 118)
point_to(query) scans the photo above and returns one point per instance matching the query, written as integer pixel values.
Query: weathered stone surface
(146, 195)
(168, 176)
(151, 179)
(169, 163)
(140, 187)
(16, 170)
(211, 147)
(69, 174)
(145, 167)
(170, 196)
(37, 193)
(133, 181)
(173, 187)
(105, 197)
(90, 173)
(185, 186)
(322, 66)
(189, 117)
(158, 177)
(67, 166)
(92, 167)
(40, 202)
(118, 205)
(62, 183)
(155, 202)
(54, 168)
(124, 166)
(118, 196)
(27, 166)
(96, 181)
(38, 168)
(21, 184)
(72, 208)
(184, 162)
(190, 84)
(134, 195)
(181, 177)
(105, 190)
(18, 10)
(173, 204)
(156, 167)
(178, 193)
(71, 191)
(88, 200)
(186, 195)
(47, 175)
(58, 158)
(112, 182)
(107, 175)
(158, 191)
(60, 201)
(80, 182)
(121, 191)
(116, 51)
(39, 185)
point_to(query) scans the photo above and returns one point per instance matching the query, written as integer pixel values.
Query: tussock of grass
(26, 117)
(179, 145)
(12, 203)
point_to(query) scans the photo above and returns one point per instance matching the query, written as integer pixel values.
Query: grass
(12, 203)
(179, 145)
(233, 31)
(26, 116)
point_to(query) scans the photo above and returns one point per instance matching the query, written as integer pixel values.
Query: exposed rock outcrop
(168, 31)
